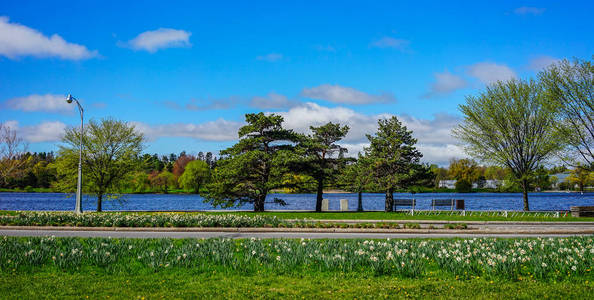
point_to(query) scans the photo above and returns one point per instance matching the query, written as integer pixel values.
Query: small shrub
(412, 225)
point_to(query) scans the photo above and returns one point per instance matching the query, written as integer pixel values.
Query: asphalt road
(238, 235)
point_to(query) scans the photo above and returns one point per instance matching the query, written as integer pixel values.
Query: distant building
(489, 184)
(448, 184)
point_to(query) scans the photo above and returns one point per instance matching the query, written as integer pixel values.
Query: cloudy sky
(185, 73)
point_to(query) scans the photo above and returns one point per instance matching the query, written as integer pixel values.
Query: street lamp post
(78, 207)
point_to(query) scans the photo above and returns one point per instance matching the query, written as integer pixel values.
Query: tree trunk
(259, 204)
(360, 201)
(320, 195)
(99, 202)
(389, 200)
(525, 191)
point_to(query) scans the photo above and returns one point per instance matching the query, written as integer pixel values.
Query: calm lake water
(474, 201)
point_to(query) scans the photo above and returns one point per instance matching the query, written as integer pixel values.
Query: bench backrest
(443, 202)
(404, 202)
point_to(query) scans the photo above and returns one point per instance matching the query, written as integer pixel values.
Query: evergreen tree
(248, 170)
(394, 160)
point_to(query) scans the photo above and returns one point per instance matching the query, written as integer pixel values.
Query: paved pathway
(312, 235)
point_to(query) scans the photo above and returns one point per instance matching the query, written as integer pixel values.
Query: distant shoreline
(331, 191)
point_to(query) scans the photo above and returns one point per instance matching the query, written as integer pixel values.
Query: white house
(449, 184)
(489, 184)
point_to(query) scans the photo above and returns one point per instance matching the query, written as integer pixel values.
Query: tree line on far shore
(518, 126)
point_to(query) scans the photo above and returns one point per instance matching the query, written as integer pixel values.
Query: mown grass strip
(181, 285)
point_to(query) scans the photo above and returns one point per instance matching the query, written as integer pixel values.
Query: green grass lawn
(177, 285)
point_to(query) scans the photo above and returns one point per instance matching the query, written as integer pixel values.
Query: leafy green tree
(420, 178)
(163, 181)
(570, 90)
(542, 180)
(139, 182)
(110, 152)
(394, 159)
(255, 165)
(439, 173)
(465, 168)
(495, 173)
(45, 173)
(581, 177)
(510, 124)
(321, 156)
(298, 183)
(196, 174)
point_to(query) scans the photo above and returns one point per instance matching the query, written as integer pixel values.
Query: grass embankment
(153, 268)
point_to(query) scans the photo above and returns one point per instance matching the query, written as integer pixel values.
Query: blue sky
(185, 73)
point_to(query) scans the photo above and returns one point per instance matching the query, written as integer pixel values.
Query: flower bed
(516, 259)
(34, 218)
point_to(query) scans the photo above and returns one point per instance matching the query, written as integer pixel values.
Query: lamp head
(69, 98)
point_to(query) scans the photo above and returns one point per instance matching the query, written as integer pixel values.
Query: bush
(463, 186)
(412, 225)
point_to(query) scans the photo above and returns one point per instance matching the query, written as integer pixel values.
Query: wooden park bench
(405, 202)
(582, 211)
(443, 203)
(447, 203)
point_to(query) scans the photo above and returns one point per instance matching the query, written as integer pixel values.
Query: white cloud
(272, 101)
(346, 95)
(489, 73)
(271, 57)
(44, 103)
(434, 135)
(17, 40)
(444, 84)
(219, 130)
(390, 42)
(441, 154)
(435, 131)
(311, 114)
(51, 131)
(542, 62)
(161, 38)
(528, 10)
